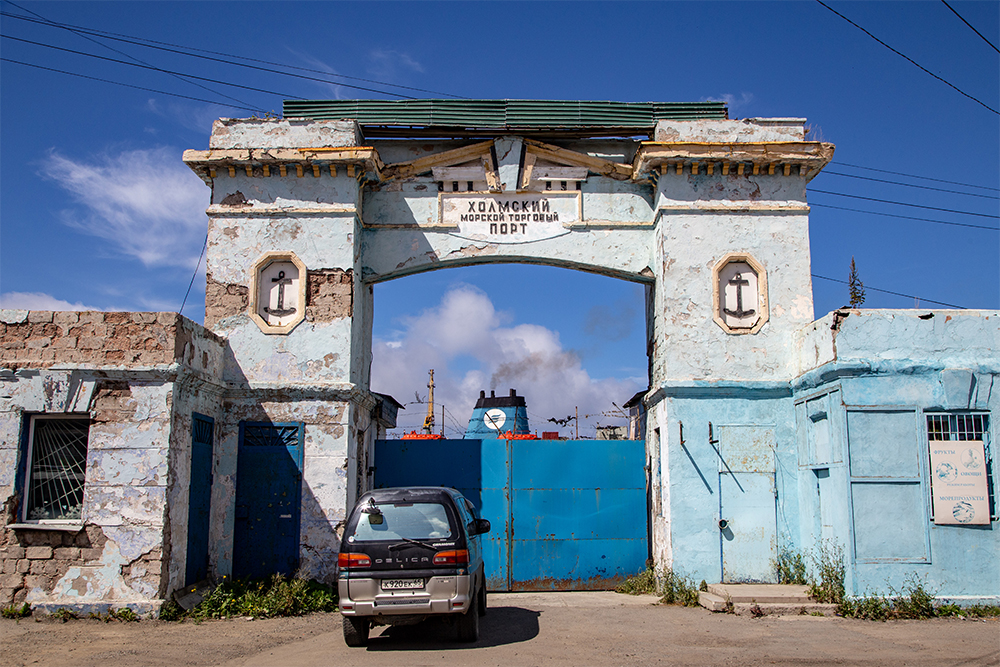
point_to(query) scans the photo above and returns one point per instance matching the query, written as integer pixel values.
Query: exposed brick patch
(39, 558)
(329, 294)
(112, 401)
(224, 300)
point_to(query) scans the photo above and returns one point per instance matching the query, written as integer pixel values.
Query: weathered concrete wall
(283, 133)
(125, 377)
(736, 131)
(902, 363)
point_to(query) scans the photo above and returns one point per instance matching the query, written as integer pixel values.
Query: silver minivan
(408, 554)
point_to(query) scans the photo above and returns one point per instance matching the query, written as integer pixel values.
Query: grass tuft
(260, 598)
(671, 587)
(15, 611)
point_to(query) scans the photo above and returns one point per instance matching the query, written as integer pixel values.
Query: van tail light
(456, 557)
(348, 561)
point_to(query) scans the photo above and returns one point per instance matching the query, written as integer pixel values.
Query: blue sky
(97, 211)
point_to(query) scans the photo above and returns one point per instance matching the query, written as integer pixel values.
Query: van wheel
(468, 624)
(356, 630)
(482, 601)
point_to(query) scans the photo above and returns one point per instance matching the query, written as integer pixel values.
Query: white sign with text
(958, 482)
(528, 216)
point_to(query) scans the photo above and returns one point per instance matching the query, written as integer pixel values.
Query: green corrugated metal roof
(532, 114)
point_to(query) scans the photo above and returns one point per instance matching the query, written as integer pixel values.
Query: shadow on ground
(500, 626)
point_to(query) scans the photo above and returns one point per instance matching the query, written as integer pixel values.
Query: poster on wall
(958, 482)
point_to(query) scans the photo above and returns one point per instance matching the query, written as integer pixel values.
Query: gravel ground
(520, 629)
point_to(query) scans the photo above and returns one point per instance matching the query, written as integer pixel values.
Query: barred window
(966, 427)
(57, 461)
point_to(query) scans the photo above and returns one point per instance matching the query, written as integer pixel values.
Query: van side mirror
(480, 526)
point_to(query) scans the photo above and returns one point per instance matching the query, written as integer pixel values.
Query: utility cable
(909, 185)
(885, 291)
(193, 275)
(266, 69)
(899, 203)
(81, 33)
(971, 26)
(149, 67)
(911, 60)
(907, 217)
(141, 41)
(126, 85)
(924, 178)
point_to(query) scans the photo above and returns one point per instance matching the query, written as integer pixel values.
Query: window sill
(64, 527)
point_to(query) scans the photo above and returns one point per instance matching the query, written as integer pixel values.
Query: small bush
(914, 601)
(677, 589)
(15, 611)
(869, 608)
(791, 568)
(829, 566)
(277, 596)
(124, 615)
(672, 588)
(643, 583)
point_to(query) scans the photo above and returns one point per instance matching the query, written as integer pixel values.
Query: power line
(126, 38)
(908, 217)
(899, 203)
(971, 26)
(909, 185)
(200, 255)
(925, 178)
(885, 291)
(81, 33)
(139, 42)
(911, 60)
(149, 67)
(126, 85)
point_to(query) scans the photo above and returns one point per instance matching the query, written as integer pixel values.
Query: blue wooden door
(564, 515)
(199, 498)
(268, 498)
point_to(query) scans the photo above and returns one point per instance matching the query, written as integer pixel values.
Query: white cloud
(732, 101)
(526, 357)
(387, 63)
(39, 301)
(146, 203)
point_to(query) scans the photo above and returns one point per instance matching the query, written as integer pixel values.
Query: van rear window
(415, 521)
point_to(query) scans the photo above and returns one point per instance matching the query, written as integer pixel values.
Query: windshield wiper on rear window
(393, 547)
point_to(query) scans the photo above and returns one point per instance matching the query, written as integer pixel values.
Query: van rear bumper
(361, 596)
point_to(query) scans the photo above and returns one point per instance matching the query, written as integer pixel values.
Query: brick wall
(44, 338)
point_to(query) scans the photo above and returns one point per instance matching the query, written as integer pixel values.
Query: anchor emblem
(280, 311)
(738, 281)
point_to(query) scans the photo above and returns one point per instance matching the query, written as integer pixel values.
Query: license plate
(402, 584)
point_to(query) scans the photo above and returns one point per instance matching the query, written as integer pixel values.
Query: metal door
(199, 498)
(565, 514)
(747, 520)
(268, 497)
(578, 513)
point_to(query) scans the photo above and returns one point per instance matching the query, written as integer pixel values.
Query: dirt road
(520, 629)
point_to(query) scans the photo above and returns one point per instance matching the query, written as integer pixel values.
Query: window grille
(270, 435)
(966, 427)
(56, 467)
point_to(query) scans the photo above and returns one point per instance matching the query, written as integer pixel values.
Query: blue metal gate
(268, 495)
(565, 514)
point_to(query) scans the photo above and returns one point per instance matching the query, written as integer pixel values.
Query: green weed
(829, 565)
(14, 611)
(677, 589)
(643, 583)
(791, 567)
(672, 588)
(63, 614)
(267, 598)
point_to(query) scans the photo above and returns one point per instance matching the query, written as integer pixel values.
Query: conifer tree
(856, 287)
